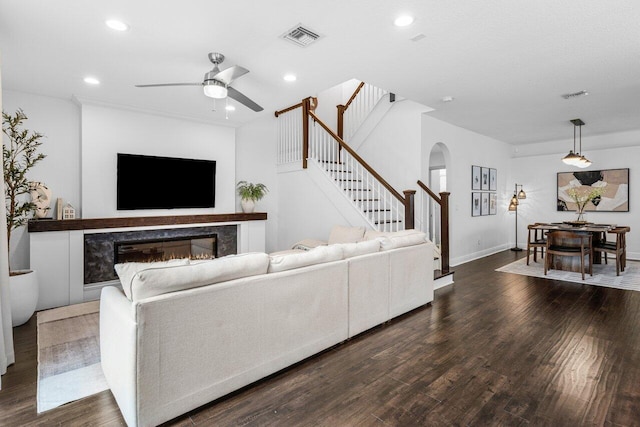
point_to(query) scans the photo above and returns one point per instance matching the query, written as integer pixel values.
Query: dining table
(598, 234)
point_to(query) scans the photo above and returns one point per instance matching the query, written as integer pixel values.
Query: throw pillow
(342, 234)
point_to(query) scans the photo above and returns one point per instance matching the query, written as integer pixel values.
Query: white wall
(107, 131)
(59, 121)
(393, 148)
(471, 237)
(256, 162)
(538, 174)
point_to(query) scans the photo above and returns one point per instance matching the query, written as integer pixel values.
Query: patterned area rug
(603, 274)
(68, 355)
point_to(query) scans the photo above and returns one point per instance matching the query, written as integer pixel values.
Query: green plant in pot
(19, 155)
(249, 194)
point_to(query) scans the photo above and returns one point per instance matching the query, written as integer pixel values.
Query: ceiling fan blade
(230, 74)
(234, 94)
(171, 84)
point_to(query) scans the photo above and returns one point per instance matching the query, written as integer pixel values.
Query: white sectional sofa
(181, 334)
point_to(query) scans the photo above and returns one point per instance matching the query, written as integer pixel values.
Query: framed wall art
(475, 178)
(493, 203)
(614, 185)
(484, 208)
(493, 179)
(475, 204)
(484, 178)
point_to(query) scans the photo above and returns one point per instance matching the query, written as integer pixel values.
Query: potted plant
(20, 154)
(249, 194)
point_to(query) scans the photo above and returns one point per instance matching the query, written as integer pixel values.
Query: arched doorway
(439, 159)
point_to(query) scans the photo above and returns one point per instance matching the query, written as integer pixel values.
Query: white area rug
(603, 274)
(68, 355)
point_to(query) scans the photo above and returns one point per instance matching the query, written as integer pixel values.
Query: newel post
(409, 209)
(306, 104)
(444, 231)
(341, 109)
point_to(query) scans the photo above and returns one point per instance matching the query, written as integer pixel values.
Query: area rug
(603, 274)
(68, 355)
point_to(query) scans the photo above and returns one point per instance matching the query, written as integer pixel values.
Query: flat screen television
(151, 182)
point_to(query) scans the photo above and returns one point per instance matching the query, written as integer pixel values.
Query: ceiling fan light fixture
(215, 89)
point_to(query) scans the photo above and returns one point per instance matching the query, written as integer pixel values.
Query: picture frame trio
(484, 184)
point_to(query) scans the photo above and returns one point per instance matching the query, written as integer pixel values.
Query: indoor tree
(19, 155)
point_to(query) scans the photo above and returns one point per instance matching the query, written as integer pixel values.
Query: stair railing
(357, 109)
(383, 206)
(443, 202)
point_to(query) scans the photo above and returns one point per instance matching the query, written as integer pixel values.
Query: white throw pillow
(342, 234)
(158, 281)
(127, 270)
(318, 255)
(350, 250)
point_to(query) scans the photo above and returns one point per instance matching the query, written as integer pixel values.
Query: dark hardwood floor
(492, 349)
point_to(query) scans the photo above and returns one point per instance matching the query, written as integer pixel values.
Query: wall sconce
(513, 206)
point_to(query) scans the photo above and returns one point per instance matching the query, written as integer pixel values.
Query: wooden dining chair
(537, 240)
(617, 247)
(570, 244)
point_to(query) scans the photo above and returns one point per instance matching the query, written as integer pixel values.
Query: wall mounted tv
(151, 182)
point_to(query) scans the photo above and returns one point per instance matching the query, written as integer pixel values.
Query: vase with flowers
(582, 196)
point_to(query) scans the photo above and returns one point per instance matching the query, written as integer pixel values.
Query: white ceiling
(506, 62)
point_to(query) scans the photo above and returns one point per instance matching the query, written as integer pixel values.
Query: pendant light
(574, 158)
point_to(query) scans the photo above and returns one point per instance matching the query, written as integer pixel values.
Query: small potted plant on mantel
(249, 194)
(20, 154)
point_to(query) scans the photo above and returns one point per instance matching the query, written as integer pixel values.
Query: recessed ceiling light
(289, 77)
(403, 21)
(230, 108)
(447, 99)
(91, 81)
(116, 25)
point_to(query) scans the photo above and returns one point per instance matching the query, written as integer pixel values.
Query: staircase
(304, 138)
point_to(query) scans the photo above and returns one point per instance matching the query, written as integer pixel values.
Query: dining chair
(571, 244)
(536, 239)
(617, 247)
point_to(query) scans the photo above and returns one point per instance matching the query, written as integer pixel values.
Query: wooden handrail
(360, 160)
(343, 107)
(437, 199)
(286, 110)
(355, 93)
(443, 201)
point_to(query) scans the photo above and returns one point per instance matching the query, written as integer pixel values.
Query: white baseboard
(480, 254)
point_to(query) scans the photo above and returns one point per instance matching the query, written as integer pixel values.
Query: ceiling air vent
(301, 36)
(575, 94)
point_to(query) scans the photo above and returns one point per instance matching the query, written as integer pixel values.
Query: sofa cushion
(156, 281)
(342, 234)
(288, 260)
(397, 239)
(364, 247)
(127, 270)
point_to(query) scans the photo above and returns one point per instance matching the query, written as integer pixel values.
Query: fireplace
(201, 247)
(103, 250)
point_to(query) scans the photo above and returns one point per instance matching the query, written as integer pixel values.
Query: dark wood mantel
(37, 225)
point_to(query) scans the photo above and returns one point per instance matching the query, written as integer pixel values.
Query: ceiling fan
(216, 83)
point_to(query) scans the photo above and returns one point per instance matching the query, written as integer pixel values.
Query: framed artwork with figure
(475, 204)
(484, 208)
(612, 186)
(493, 179)
(475, 178)
(484, 178)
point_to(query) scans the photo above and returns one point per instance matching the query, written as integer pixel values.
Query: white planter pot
(23, 290)
(248, 205)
